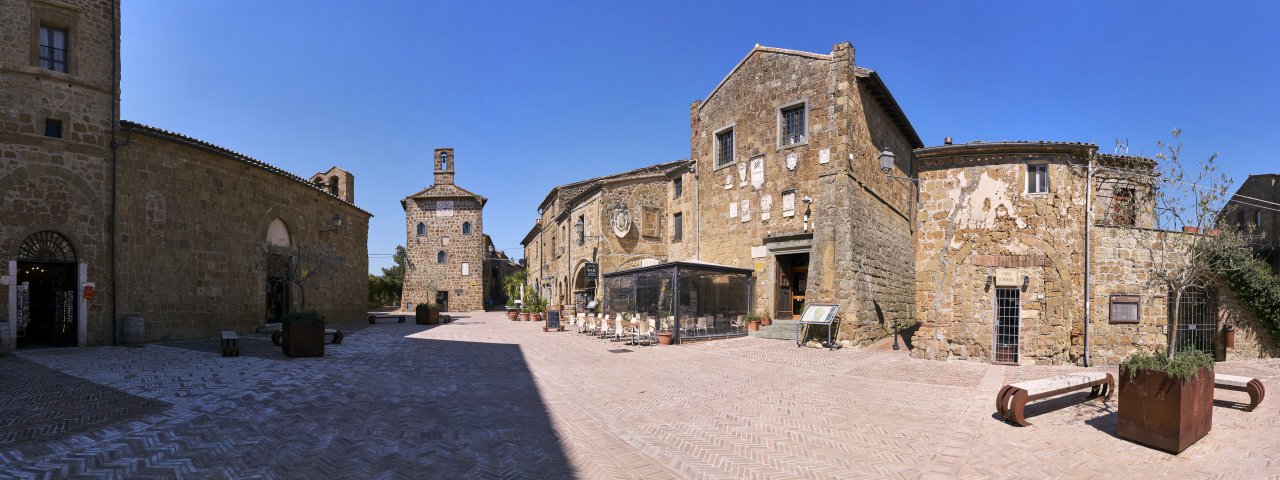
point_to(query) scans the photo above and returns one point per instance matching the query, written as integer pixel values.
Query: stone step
(775, 334)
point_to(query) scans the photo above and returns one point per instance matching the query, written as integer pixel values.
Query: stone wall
(193, 226)
(425, 275)
(1256, 213)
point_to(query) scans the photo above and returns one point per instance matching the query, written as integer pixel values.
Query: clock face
(792, 160)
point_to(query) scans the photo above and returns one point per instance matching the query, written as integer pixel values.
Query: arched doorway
(47, 306)
(277, 303)
(584, 289)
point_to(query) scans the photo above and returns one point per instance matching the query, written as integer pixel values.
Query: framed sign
(819, 313)
(553, 321)
(591, 270)
(1007, 277)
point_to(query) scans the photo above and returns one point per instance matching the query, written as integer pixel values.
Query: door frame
(995, 327)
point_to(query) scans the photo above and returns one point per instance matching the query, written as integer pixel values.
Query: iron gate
(1008, 316)
(1197, 324)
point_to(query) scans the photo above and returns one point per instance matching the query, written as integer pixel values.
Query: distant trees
(386, 289)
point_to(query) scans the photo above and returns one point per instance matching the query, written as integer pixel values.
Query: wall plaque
(1007, 277)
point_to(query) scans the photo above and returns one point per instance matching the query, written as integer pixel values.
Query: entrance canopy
(691, 299)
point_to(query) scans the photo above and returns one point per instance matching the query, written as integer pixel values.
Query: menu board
(553, 320)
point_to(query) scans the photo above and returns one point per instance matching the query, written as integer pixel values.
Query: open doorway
(793, 277)
(47, 306)
(442, 299)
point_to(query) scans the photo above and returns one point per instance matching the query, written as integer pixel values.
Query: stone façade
(445, 243)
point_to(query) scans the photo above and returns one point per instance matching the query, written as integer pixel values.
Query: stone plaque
(745, 211)
(728, 181)
(1007, 277)
(759, 252)
(824, 155)
(789, 204)
(792, 161)
(620, 220)
(766, 202)
(742, 174)
(733, 209)
(757, 171)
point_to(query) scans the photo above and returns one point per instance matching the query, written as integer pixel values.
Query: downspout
(1088, 225)
(697, 217)
(115, 121)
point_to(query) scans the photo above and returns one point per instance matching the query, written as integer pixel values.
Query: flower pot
(753, 326)
(1163, 412)
(512, 314)
(303, 338)
(664, 338)
(766, 321)
(539, 316)
(524, 316)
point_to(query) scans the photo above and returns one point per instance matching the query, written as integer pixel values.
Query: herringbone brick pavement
(485, 397)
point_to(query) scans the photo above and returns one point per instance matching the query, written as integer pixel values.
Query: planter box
(303, 338)
(1163, 412)
(425, 315)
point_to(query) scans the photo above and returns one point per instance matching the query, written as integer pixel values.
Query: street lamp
(887, 161)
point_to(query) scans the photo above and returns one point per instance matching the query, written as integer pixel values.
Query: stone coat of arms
(621, 220)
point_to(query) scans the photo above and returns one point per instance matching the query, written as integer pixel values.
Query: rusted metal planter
(426, 315)
(302, 338)
(1163, 412)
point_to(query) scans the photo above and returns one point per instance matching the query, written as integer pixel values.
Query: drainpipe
(1088, 225)
(697, 217)
(115, 120)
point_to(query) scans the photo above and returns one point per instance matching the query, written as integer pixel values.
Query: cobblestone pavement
(485, 397)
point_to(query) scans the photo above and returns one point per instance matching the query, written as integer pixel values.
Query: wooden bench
(372, 318)
(1012, 399)
(230, 344)
(335, 336)
(1252, 386)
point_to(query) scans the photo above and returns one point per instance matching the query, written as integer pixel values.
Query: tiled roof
(447, 191)
(224, 152)
(571, 190)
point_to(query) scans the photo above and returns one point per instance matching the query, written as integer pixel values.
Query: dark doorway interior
(47, 304)
(793, 278)
(442, 299)
(277, 298)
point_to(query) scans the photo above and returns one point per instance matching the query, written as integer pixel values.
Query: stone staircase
(778, 330)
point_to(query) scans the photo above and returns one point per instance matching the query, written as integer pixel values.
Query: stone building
(616, 222)
(100, 218)
(1001, 260)
(1256, 205)
(446, 245)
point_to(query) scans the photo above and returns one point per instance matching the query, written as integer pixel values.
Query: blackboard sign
(591, 270)
(553, 320)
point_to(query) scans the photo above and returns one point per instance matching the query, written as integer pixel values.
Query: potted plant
(525, 312)
(753, 322)
(765, 320)
(302, 334)
(427, 314)
(512, 312)
(664, 332)
(1166, 403)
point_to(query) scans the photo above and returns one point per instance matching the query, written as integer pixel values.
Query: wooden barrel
(134, 332)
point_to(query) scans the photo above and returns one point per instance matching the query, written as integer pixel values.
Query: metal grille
(793, 125)
(724, 143)
(1008, 314)
(1197, 325)
(46, 246)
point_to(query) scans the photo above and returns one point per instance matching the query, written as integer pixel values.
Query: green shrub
(1183, 366)
(1255, 284)
(309, 316)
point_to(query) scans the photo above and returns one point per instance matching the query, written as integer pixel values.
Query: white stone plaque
(733, 209)
(742, 174)
(745, 211)
(466, 269)
(759, 252)
(789, 204)
(792, 160)
(757, 172)
(1007, 277)
(766, 202)
(444, 208)
(824, 155)
(444, 241)
(728, 181)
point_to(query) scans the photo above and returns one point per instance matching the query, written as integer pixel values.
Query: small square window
(53, 128)
(677, 187)
(724, 148)
(1124, 309)
(793, 125)
(677, 227)
(53, 48)
(1037, 178)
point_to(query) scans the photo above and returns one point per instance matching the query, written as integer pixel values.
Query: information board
(553, 320)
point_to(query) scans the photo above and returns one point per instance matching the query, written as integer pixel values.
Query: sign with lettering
(553, 320)
(591, 270)
(1007, 277)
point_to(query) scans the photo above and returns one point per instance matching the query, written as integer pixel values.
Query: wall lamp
(337, 222)
(887, 159)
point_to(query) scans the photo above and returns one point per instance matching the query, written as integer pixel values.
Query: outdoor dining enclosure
(692, 300)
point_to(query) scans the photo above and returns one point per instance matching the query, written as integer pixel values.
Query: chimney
(946, 141)
(444, 163)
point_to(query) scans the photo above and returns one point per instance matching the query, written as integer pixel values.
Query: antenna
(1122, 146)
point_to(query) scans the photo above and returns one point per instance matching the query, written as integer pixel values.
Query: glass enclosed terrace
(712, 302)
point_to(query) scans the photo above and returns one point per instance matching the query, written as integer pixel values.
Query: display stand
(553, 322)
(818, 314)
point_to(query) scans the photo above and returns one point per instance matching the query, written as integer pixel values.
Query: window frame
(803, 105)
(677, 227)
(442, 257)
(1048, 186)
(51, 121)
(421, 229)
(677, 187)
(59, 17)
(466, 228)
(1124, 299)
(731, 129)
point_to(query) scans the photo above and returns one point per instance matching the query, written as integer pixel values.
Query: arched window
(442, 257)
(444, 160)
(47, 246)
(422, 229)
(466, 228)
(333, 186)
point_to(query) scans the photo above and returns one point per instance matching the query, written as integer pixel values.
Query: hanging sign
(591, 270)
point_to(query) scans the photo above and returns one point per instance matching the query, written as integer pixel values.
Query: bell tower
(444, 163)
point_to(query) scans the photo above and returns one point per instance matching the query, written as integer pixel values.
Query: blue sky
(535, 94)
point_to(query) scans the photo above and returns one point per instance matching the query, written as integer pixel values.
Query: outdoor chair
(645, 331)
(738, 324)
(604, 330)
(702, 324)
(617, 328)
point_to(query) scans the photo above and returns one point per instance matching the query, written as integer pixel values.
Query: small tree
(1189, 195)
(302, 265)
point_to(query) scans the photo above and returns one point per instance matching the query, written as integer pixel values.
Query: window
(444, 161)
(1124, 309)
(422, 229)
(1123, 212)
(1257, 217)
(53, 128)
(466, 269)
(466, 228)
(582, 229)
(53, 49)
(1037, 178)
(792, 125)
(724, 148)
(677, 187)
(442, 257)
(333, 185)
(677, 227)
(650, 222)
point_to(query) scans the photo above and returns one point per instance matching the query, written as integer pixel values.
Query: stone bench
(1252, 386)
(1012, 400)
(372, 318)
(230, 344)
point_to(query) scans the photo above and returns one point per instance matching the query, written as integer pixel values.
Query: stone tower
(445, 242)
(60, 71)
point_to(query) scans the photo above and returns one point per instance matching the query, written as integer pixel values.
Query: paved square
(486, 397)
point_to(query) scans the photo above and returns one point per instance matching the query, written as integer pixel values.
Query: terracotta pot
(664, 338)
(524, 316)
(753, 326)
(512, 314)
(1163, 412)
(765, 321)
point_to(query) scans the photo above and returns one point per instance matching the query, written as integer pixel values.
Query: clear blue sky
(535, 94)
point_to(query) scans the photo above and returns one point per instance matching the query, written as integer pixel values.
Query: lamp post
(887, 161)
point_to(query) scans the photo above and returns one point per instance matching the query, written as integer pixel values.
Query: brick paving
(485, 397)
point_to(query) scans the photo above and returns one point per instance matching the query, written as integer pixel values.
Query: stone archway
(47, 305)
(277, 278)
